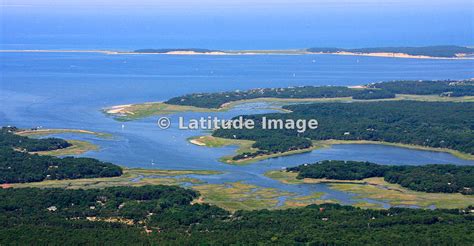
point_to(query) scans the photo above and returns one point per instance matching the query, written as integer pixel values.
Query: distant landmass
(164, 51)
(430, 51)
(440, 51)
(425, 52)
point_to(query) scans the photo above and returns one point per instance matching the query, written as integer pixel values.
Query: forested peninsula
(381, 90)
(418, 90)
(443, 125)
(17, 165)
(427, 178)
(378, 112)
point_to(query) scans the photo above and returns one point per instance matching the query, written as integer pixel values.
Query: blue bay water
(129, 25)
(68, 90)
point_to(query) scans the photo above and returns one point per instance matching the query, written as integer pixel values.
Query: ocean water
(232, 24)
(68, 90)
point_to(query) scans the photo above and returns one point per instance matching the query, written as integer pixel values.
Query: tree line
(427, 87)
(8, 138)
(162, 215)
(383, 90)
(19, 166)
(426, 178)
(431, 124)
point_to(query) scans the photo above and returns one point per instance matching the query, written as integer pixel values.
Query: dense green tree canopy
(431, 124)
(381, 90)
(8, 138)
(18, 166)
(426, 87)
(216, 100)
(66, 217)
(343, 170)
(427, 178)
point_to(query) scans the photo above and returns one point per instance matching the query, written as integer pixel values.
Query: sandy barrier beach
(246, 52)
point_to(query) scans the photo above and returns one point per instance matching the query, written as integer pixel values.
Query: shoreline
(245, 52)
(456, 153)
(128, 112)
(46, 132)
(378, 189)
(245, 146)
(394, 55)
(78, 147)
(246, 161)
(130, 177)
